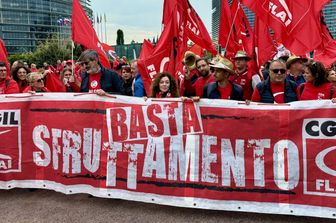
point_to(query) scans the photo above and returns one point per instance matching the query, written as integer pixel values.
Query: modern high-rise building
(329, 14)
(25, 23)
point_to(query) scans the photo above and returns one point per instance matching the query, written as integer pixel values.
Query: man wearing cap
(205, 77)
(243, 76)
(276, 88)
(97, 79)
(295, 66)
(223, 88)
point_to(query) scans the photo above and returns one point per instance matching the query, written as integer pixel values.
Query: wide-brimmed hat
(241, 55)
(224, 64)
(293, 59)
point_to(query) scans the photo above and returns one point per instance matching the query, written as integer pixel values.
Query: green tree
(120, 37)
(49, 51)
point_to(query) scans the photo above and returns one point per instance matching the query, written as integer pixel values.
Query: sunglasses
(39, 80)
(282, 71)
(85, 63)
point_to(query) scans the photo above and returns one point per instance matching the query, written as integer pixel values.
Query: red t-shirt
(277, 91)
(226, 91)
(311, 92)
(94, 82)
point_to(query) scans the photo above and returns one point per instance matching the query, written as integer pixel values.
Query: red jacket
(9, 86)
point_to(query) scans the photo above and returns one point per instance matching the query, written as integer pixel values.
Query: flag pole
(72, 57)
(105, 28)
(234, 19)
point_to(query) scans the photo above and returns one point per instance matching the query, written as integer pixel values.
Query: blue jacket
(211, 91)
(300, 79)
(139, 89)
(110, 82)
(266, 95)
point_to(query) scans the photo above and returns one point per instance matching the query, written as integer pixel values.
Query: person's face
(3, 73)
(241, 63)
(221, 74)
(67, 75)
(203, 68)
(277, 73)
(298, 65)
(22, 74)
(37, 82)
(134, 68)
(308, 75)
(331, 76)
(125, 74)
(164, 84)
(91, 66)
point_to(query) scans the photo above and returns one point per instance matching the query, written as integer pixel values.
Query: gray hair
(88, 55)
(278, 61)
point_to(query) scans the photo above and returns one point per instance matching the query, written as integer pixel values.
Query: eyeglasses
(282, 71)
(85, 63)
(39, 80)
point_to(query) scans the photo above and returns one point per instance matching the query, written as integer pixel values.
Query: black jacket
(266, 95)
(110, 82)
(211, 91)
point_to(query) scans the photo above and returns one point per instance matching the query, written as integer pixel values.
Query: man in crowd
(96, 78)
(138, 87)
(204, 78)
(245, 77)
(295, 67)
(223, 88)
(7, 85)
(276, 88)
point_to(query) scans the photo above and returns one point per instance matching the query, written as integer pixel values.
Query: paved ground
(22, 205)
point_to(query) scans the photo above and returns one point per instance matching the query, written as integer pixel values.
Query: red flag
(196, 49)
(84, 34)
(295, 23)
(227, 35)
(244, 33)
(265, 48)
(3, 56)
(53, 82)
(146, 49)
(110, 50)
(326, 53)
(195, 28)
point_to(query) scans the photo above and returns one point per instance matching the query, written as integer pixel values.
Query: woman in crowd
(317, 86)
(36, 83)
(164, 86)
(331, 76)
(19, 74)
(69, 80)
(127, 80)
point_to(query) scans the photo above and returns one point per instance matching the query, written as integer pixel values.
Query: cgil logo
(321, 127)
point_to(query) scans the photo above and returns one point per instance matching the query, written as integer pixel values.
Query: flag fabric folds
(84, 34)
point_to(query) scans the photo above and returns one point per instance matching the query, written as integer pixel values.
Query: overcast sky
(139, 19)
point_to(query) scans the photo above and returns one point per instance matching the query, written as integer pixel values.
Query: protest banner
(215, 154)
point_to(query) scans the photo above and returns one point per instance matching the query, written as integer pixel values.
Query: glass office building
(25, 23)
(329, 14)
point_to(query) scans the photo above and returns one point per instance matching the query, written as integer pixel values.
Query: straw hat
(224, 64)
(292, 59)
(241, 55)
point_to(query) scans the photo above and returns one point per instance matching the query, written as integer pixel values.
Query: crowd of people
(282, 80)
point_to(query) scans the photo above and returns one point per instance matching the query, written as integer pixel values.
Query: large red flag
(146, 49)
(244, 33)
(295, 23)
(265, 48)
(84, 34)
(3, 55)
(227, 35)
(326, 53)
